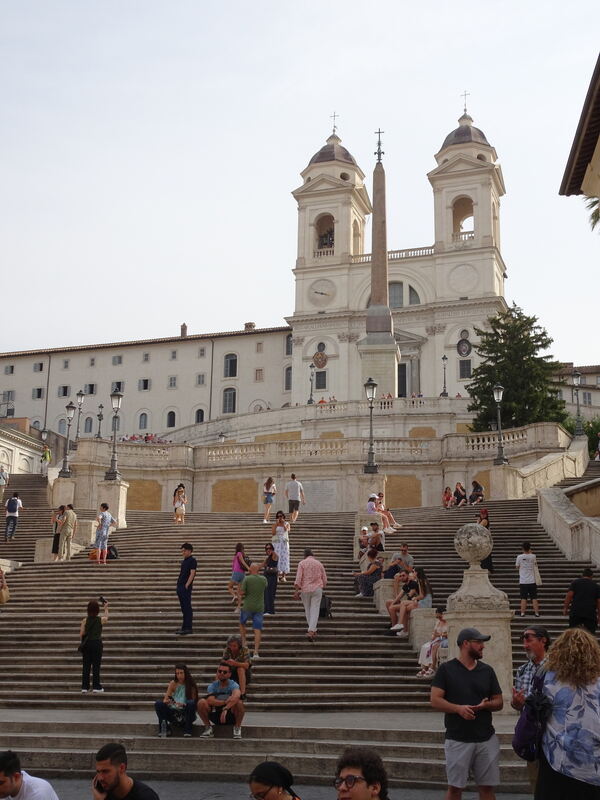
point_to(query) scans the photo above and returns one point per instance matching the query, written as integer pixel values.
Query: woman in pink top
(239, 567)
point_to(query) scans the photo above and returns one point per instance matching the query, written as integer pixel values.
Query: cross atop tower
(464, 96)
(334, 116)
(379, 152)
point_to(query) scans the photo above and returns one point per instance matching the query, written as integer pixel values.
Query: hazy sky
(149, 150)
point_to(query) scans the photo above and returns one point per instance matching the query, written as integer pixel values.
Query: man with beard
(112, 781)
(468, 691)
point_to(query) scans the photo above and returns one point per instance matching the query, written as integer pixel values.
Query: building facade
(438, 295)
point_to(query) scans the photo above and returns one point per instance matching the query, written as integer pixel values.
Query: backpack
(325, 607)
(529, 730)
(12, 505)
(112, 552)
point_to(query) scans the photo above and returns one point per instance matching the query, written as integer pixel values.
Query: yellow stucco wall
(144, 495)
(402, 491)
(463, 427)
(288, 436)
(423, 432)
(234, 495)
(588, 501)
(482, 477)
(332, 435)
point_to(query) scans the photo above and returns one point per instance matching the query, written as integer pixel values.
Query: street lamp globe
(370, 389)
(577, 378)
(80, 397)
(70, 409)
(498, 392)
(116, 398)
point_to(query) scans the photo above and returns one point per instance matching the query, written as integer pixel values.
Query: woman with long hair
(239, 568)
(365, 580)
(270, 571)
(447, 498)
(460, 495)
(91, 645)
(569, 766)
(423, 599)
(179, 501)
(55, 521)
(179, 703)
(281, 542)
(271, 781)
(269, 492)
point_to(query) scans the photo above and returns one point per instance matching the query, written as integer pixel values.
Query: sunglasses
(349, 780)
(527, 636)
(222, 671)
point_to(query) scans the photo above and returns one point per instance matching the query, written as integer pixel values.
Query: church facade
(437, 295)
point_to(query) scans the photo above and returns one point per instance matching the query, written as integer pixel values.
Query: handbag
(530, 727)
(4, 595)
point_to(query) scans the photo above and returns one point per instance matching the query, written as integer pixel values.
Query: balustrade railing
(323, 252)
(396, 255)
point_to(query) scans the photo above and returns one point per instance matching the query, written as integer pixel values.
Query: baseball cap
(364, 528)
(471, 634)
(372, 496)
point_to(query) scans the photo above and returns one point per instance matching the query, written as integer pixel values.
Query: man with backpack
(12, 505)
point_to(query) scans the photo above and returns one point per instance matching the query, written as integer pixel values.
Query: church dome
(332, 151)
(466, 132)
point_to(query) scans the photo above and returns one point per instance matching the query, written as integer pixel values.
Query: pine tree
(510, 356)
(593, 205)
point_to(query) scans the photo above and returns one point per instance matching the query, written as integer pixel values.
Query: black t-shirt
(410, 586)
(586, 593)
(467, 687)
(139, 791)
(187, 565)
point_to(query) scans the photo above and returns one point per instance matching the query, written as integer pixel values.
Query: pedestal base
(115, 494)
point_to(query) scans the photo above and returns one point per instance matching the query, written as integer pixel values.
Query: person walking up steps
(294, 493)
(528, 579)
(253, 605)
(185, 582)
(12, 505)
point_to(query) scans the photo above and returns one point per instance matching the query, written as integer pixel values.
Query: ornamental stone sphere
(473, 543)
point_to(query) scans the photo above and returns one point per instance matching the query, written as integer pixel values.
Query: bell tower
(333, 205)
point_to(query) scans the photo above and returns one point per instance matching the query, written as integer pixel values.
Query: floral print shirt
(571, 741)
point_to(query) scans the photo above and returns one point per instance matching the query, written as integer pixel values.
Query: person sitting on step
(428, 657)
(390, 522)
(372, 509)
(237, 655)
(447, 498)
(365, 580)
(423, 599)
(477, 492)
(371, 540)
(408, 589)
(179, 703)
(223, 704)
(407, 562)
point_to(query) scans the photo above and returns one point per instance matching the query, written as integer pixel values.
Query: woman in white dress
(281, 541)
(179, 501)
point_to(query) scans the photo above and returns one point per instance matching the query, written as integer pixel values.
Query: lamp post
(65, 471)
(113, 473)
(578, 421)
(444, 362)
(221, 437)
(500, 457)
(44, 434)
(100, 417)
(311, 399)
(80, 398)
(370, 467)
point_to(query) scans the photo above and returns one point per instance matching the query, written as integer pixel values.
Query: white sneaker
(255, 655)
(389, 530)
(208, 732)
(237, 732)
(397, 627)
(96, 691)
(265, 521)
(360, 594)
(402, 634)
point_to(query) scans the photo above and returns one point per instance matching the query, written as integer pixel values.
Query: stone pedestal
(63, 492)
(86, 531)
(422, 621)
(379, 359)
(114, 493)
(478, 604)
(384, 590)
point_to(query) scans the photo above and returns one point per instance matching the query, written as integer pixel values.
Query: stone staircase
(353, 666)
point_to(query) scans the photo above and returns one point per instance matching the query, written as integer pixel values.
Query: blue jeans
(11, 527)
(168, 714)
(185, 601)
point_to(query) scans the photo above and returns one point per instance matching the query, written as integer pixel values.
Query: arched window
(171, 419)
(356, 244)
(36, 424)
(288, 344)
(143, 421)
(325, 226)
(88, 425)
(462, 219)
(62, 427)
(287, 379)
(199, 415)
(413, 297)
(229, 401)
(230, 366)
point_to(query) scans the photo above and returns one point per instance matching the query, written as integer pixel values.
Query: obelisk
(378, 350)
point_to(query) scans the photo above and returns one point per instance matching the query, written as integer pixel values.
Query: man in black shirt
(468, 691)
(582, 602)
(112, 782)
(189, 565)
